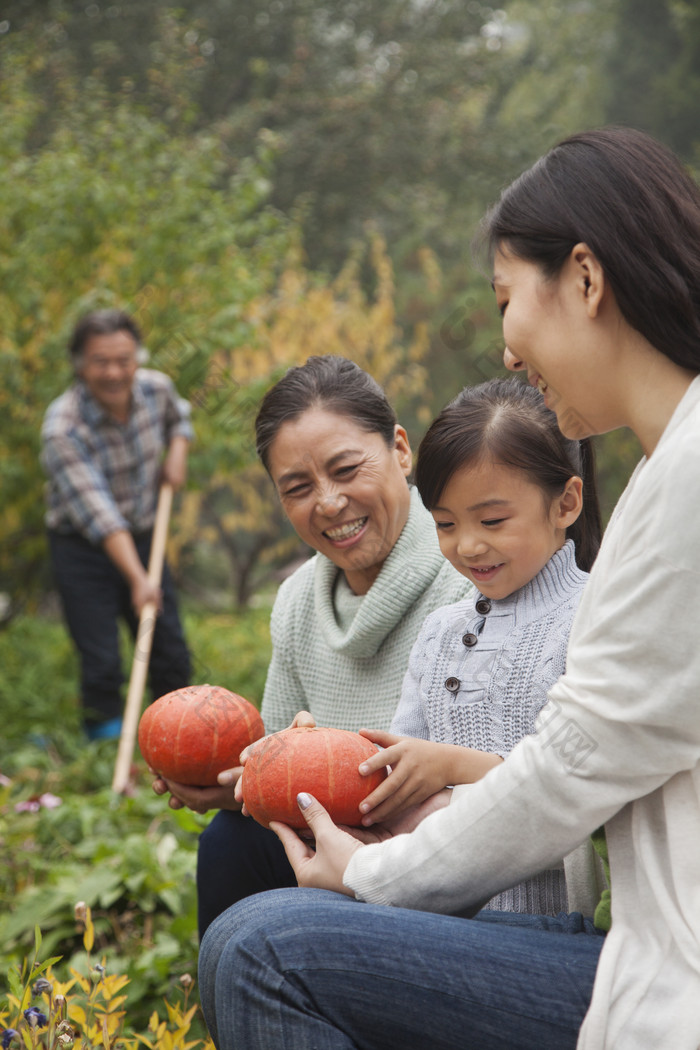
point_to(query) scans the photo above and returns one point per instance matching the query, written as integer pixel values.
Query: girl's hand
(405, 822)
(419, 768)
(324, 866)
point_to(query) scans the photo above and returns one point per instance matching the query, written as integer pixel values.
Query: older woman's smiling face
(343, 490)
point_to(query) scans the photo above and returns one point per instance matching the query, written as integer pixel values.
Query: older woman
(344, 623)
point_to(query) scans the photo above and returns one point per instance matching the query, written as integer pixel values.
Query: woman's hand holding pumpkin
(323, 865)
(202, 799)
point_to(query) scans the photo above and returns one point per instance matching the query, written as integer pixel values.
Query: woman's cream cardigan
(619, 744)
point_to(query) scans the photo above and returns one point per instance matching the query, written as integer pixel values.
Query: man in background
(107, 443)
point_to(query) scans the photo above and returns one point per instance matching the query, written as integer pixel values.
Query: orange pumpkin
(321, 761)
(193, 733)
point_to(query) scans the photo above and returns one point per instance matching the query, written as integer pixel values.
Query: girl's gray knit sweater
(478, 676)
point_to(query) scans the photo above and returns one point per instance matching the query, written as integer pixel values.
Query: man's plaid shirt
(104, 475)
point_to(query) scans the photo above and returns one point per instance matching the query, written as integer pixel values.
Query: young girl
(506, 491)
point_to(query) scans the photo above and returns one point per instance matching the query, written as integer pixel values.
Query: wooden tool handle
(143, 643)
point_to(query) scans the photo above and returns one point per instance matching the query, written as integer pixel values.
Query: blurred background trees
(265, 179)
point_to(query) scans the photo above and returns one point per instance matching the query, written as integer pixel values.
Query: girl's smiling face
(498, 528)
(343, 489)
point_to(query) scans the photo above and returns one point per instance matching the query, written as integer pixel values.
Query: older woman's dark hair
(332, 383)
(506, 421)
(101, 322)
(630, 200)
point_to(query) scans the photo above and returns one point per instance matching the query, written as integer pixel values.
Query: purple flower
(7, 1036)
(29, 805)
(36, 802)
(49, 801)
(35, 1018)
(41, 985)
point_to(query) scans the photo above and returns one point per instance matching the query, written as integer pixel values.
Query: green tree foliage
(108, 203)
(127, 137)
(113, 207)
(406, 115)
(653, 72)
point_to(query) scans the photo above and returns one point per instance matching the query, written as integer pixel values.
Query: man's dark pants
(95, 596)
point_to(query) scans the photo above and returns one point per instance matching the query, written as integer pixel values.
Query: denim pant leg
(309, 968)
(236, 858)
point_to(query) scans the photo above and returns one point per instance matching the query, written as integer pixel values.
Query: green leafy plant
(65, 835)
(131, 857)
(87, 1010)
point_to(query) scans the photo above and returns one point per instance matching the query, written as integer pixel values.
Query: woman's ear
(403, 449)
(590, 278)
(569, 505)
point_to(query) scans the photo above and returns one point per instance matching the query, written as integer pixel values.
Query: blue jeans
(295, 969)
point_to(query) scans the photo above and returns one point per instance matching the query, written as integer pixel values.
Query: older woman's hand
(303, 719)
(202, 799)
